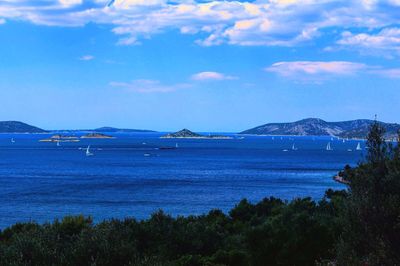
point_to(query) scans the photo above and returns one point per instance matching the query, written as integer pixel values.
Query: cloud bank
(357, 24)
(319, 71)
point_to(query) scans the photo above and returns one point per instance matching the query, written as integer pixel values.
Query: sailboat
(328, 147)
(12, 140)
(343, 140)
(58, 144)
(176, 145)
(294, 148)
(88, 153)
(358, 147)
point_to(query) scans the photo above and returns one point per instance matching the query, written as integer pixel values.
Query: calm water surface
(130, 176)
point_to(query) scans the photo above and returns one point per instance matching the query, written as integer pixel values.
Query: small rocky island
(60, 138)
(97, 136)
(187, 134)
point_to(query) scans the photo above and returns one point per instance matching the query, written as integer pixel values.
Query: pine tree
(371, 219)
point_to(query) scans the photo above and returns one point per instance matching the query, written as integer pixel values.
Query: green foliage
(371, 215)
(270, 232)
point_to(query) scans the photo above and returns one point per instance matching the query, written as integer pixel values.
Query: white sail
(88, 153)
(294, 148)
(176, 145)
(58, 144)
(12, 140)
(328, 146)
(358, 147)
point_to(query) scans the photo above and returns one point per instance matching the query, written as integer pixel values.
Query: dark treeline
(357, 226)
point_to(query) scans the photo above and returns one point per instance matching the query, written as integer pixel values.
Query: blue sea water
(130, 177)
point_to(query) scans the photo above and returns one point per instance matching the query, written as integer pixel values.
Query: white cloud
(262, 22)
(209, 75)
(69, 3)
(315, 68)
(320, 71)
(127, 4)
(386, 41)
(86, 58)
(148, 86)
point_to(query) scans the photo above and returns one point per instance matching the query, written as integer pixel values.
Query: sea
(137, 174)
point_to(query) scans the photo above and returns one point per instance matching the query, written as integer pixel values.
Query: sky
(222, 66)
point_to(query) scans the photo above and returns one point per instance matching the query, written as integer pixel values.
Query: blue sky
(207, 66)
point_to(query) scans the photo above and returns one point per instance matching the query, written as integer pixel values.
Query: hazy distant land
(318, 127)
(306, 127)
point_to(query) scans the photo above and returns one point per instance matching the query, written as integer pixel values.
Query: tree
(371, 216)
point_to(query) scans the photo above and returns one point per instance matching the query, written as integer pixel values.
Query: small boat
(328, 147)
(285, 150)
(358, 147)
(294, 148)
(343, 140)
(58, 144)
(166, 148)
(176, 145)
(349, 150)
(273, 138)
(12, 140)
(144, 143)
(146, 154)
(88, 153)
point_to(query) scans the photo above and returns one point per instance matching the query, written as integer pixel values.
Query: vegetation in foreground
(359, 226)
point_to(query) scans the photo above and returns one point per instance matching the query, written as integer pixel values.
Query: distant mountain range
(318, 127)
(306, 127)
(19, 127)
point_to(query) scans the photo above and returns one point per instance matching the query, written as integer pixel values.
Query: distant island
(318, 127)
(96, 136)
(19, 127)
(60, 138)
(187, 134)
